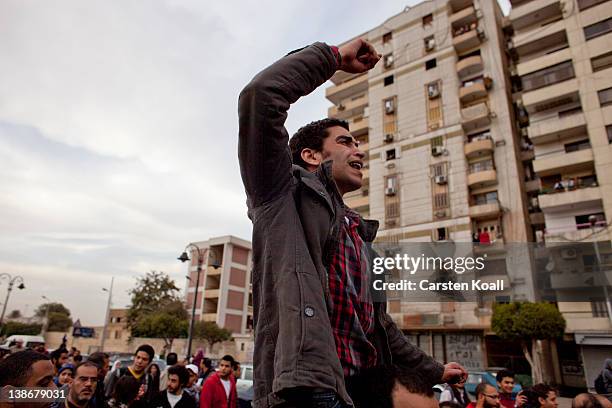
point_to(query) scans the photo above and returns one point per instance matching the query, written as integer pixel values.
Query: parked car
(26, 341)
(246, 379)
(476, 377)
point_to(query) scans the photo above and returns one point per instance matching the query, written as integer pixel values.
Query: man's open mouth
(356, 165)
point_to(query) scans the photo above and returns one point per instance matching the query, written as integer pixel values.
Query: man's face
(65, 377)
(41, 376)
(550, 401)
(193, 377)
(405, 399)
(225, 369)
(490, 397)
(84, 384)
(174, 384)
(343, 149)
(141, 361)
(237, 372)
(506, 385)
(104, 369)
(63, 359)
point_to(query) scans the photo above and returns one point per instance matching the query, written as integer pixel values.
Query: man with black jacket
(174, 396)
(317, 326)
(142, 357)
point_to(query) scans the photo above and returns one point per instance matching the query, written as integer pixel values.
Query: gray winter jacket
(296, 217)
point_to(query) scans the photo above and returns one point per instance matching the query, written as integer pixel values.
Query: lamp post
(46, 323)
(184, 258)
(593, 222)
(108, 305)
(11, 281)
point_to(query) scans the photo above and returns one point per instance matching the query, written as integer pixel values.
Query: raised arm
(263, 151)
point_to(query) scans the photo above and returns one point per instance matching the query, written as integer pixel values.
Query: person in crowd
(505, 385)
(26, 369)
(450, 404)
(486, 397)
(102, 360)
(142, 357)
(456, 393)
(603, 382)
(192, 387)
(586, 400)
(125, 393)
(83, 386)
(59, 357)
(236, 370)
(205, 370)
(219, 390)
(171, 359)
(294, 197)
(175, 396)
(154, 371)
(65, 375)
(541, 396)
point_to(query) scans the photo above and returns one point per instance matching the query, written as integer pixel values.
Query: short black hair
(480, 388)
(586, 400)
(98, 358)
(312, 136)
(181, 372)
(86, 363)
(57, 353)
(147, 349)
(126, 389)
(207, 362)
(235, 365)
(172, 358)
(503, 374)
(16, 368)
(538, 391)
(229, 359)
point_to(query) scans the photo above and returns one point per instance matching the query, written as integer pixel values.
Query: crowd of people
(91, 383)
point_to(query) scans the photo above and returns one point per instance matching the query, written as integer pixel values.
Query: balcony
(359, 127)
(563, 235)
(211, 293)
(478, 147)
(544, 46)
(457, 5)
(543, 98)
(353, 86)
(566, 200)
(557, 128)
(211, 271)
(541, 62)
(485, 211)
(348, 109)
(475, 116)
(534, 12)
(561, 161)
(209, 317)
(469, 66)
(466, 41)
(482, 178)
(532, 185)
(528, 39)
(470, 93)
(465, 17)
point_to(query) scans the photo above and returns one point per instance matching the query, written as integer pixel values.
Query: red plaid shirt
(352, 314)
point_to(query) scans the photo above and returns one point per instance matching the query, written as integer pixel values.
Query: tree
(10, 328)
(59, 316)
(15, 314)
(53, 307)
(528, 323)
(210, 332)
(156, 309)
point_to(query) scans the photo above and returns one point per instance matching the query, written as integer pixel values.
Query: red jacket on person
(213, 393)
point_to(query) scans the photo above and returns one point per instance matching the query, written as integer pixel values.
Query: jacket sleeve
(405, 354)
(263, 151)
(206, 395)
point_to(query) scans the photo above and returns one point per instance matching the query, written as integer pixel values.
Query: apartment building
(562, 83)
(224, 290)
(444, 159)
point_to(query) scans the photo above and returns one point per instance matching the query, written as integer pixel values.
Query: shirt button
(309, 311)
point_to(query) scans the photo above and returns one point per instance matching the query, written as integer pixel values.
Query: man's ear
(5, 394)
(311, 157)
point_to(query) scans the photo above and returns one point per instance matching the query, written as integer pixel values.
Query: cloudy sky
(118, 132)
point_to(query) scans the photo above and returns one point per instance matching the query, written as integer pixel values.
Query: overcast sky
(118, 132)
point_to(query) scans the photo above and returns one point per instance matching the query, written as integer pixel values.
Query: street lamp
(46, 323)
(11, 280)
(108, 306)
(593, 221)
(184, 258)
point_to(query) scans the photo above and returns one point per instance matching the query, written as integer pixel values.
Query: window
(392, 200)
(429, 64)
(585, 4)
(434, 105)
(485, 198)
(605, 96)
(441, 234)
(440, 201)
(390, 117)
(597, 29)
(438, 169)
(427, 20)
(548, 76)
(609, 131)
(599, 308)
(387, 37)
(437, 141)
(576, 146)
(390, 154)
(481, 166)
(388, 80)
(582, 221)
(602, 61)
(388, 61)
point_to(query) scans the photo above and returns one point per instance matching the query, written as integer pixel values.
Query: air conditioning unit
(390, 191)
(440, 214)
(430, 44)
(437, 151)
(391, 222)
(389, 137)
(568, 253)
(481, 33)
(389, 61)
(389, 108)
(534, 202)
(390, 165)
(341, 107)
(441, 179)
(433, 91)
